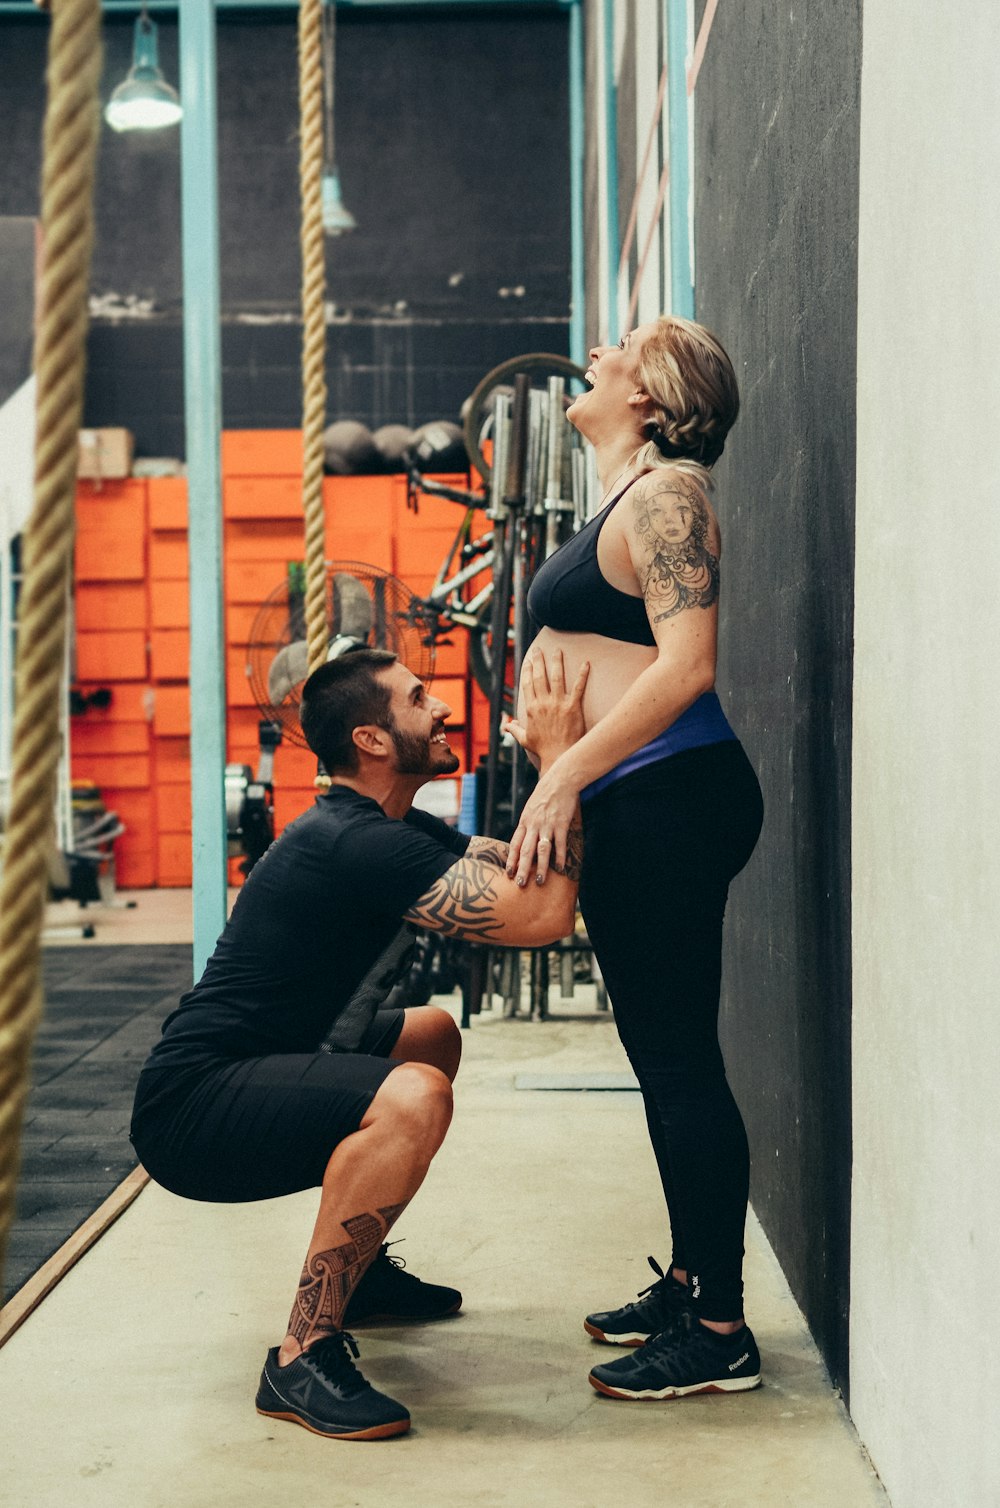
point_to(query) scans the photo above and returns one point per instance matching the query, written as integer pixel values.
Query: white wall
(925, 1332)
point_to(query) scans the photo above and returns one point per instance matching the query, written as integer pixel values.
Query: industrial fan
(365, 607)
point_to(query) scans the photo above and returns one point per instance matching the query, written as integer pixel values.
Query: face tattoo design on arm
(672, 527)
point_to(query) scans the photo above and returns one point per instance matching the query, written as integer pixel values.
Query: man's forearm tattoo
(679, 570)
(463, 902)
(329, 1277)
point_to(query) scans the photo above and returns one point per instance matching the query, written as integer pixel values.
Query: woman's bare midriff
(614, 666)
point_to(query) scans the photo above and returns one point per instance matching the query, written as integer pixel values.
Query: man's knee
(415, 1096)
(447, 1040)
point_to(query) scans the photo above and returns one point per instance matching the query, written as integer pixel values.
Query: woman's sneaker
(657, 1308)
(324, 1392)
(388, 1294)
(690, 1358)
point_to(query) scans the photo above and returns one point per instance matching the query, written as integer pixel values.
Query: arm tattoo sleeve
(678, 569)
(463, 902)
(485, 847)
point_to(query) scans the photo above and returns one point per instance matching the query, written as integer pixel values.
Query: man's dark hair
(340, 696)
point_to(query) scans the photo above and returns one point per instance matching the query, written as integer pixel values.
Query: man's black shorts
(256, 1128)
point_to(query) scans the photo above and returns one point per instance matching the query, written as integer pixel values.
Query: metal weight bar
(510, 980)
(554, 504)
(567, 982)
(501, 446)
(513, 501)
(540, 984)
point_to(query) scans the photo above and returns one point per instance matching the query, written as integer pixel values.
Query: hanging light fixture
(337, 218)
(144, 101)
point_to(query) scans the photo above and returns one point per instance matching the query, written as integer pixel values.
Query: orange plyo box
(168, 557)
(99, 606)
(111, 656)
(265, 497)
(262, 452)
(167, 502)
(171, 712)
(173, 860)
(170, 653)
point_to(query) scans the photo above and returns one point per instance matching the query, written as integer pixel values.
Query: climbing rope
(313, 322)
(69, 153)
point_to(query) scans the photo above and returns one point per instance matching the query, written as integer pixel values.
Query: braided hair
(695, 398)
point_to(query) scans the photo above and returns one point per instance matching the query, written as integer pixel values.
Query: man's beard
(415, 756)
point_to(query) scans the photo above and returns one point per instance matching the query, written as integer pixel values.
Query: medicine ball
(439, 446)
(349, 449)
(390, 442)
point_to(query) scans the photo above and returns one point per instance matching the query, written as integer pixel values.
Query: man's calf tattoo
(329, 1277)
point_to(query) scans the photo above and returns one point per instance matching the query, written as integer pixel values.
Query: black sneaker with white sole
(324, 1392)
(689, 1358)
(657, 1308)
(388, 1294)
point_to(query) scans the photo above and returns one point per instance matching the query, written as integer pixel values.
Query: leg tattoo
(330, 1277)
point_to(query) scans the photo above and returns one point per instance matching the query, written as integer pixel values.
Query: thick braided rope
(70, 149)
(313, 322)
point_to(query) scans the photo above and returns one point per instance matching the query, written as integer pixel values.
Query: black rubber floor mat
(104, 1007)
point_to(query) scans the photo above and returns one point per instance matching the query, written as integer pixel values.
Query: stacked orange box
(422, 541)
(264, 534)
(111, 746)
(169, 647)
(133, 630)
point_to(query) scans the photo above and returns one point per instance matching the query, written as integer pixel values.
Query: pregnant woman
(671, 812)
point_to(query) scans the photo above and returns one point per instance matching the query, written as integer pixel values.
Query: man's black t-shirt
(315, 914)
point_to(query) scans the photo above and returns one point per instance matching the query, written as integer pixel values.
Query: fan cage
(398, 623)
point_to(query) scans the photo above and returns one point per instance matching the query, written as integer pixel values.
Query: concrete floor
(133, 1383)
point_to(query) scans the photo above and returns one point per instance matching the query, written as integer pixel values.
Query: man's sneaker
(657, 1309)
(388, 1294)
(689, 1358)
(324, 1391)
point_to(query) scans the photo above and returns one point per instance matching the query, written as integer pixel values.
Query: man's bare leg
(429, 1035)
(370, 1178)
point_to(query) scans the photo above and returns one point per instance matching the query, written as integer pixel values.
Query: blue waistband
(703, 723)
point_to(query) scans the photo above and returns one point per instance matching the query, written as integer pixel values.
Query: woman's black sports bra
(569, 593)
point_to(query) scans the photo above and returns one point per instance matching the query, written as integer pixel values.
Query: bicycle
(516, 481)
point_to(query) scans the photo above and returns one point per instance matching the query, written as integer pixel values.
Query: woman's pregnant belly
(614, 666)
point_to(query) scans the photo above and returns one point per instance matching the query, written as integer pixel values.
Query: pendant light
(144, 101)
(337, 218)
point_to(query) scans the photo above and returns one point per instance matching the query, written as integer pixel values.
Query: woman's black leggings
(660, 848)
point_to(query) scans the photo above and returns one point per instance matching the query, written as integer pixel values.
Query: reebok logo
(734, 1364)
(300, 1391)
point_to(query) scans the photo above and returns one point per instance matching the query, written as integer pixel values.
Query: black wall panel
(776, 221)
(17, 314)
(453, 147)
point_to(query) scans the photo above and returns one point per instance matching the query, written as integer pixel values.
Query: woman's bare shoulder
(670, 493)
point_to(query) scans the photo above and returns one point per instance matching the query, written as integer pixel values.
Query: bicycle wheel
(540, 365)
(481, 657)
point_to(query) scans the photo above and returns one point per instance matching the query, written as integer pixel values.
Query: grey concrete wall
(453, 146)
(775, 212)
(925, 1338)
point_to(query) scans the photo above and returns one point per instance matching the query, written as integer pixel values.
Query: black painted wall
(776, 221)
(453, 147)
(17, 313)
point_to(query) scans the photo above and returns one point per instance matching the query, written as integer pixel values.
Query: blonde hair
(692, 385)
